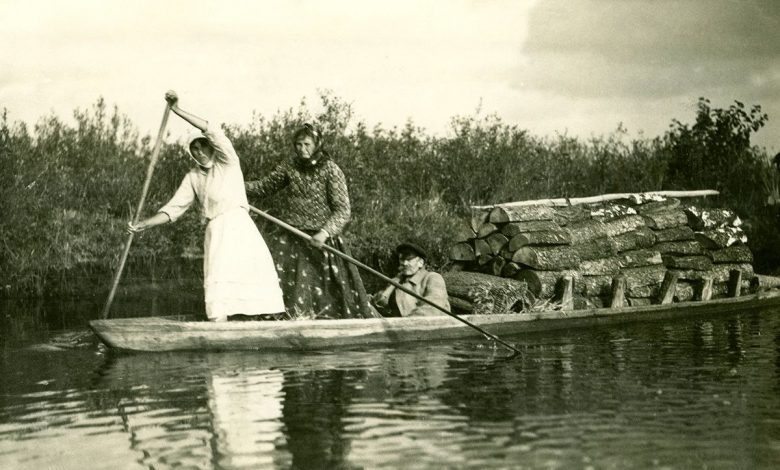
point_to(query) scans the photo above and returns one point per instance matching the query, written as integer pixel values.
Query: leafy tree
(715, 152)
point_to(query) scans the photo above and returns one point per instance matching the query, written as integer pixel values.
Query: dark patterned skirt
(316, 283)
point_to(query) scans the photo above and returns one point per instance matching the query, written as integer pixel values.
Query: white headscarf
(188, 140)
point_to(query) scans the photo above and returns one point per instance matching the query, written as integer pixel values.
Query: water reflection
(603, 397)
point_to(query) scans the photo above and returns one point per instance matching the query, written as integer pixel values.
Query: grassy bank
(68, 189)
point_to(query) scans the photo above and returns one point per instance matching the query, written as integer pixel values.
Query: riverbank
(72, 188)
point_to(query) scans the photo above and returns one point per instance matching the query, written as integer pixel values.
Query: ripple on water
(683, 394)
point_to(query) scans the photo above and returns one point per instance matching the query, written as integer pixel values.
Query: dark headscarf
(319, 156)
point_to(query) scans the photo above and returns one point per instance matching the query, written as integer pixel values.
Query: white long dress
(238, 271)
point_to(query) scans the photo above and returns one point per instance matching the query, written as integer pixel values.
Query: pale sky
(551, 66)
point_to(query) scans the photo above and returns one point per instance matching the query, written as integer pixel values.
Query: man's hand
(381, 299)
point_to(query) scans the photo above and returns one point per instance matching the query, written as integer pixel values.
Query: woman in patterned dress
(315, 200)
(238, 271)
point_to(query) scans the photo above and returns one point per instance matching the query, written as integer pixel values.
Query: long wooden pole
(602, 198)
(397, 285)
(149, 172)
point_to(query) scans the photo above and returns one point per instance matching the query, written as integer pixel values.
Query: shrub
(68, 190)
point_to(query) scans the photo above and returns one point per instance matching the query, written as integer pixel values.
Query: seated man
(413, 275)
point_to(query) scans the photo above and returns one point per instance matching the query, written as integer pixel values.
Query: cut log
(513, 228)
(718, 273)
(547, 258)
(488, 294)
(674, 234)
(521, 214)
(668, 288)
(699, 219)
(642, 237)
(545, 284)
(660, 220)
(584, 303)
(598, 302)
(625, 224)
(766, 282)
(618, 294)
(505, 253)
(458, 266)
(510, 269)
(690, 247)
(584, 231)
(685, 291)
(482, 248)
(478, 217)
(559, 237)
(717, 238)
(496, 241)
(637, 258)
(697, 263)
(639, 301)
(463, 233)
(461, 306)
(644, 276)
(462, 252)
(569, 214)
(486, 229)
(496, 265)
(732, 254)
(587, 230)
(483, 260)
(658, 206)
(722, 289)
(611, 211)
(599, 267)
(649, 292)
(597, 248)
(596, 286)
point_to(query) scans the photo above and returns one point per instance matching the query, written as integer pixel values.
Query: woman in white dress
(238, 272)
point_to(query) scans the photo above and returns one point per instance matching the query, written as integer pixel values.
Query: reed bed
(68, 188)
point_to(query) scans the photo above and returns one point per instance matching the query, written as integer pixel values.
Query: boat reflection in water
(251, 410)
(677, 394)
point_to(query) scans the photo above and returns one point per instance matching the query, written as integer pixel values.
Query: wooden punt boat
(162, 334)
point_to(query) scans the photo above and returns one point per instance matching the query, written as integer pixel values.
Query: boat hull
(160, 334)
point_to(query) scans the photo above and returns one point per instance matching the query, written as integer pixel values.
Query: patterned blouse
(315, 199)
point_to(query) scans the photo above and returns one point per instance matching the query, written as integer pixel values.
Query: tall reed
(69, 189)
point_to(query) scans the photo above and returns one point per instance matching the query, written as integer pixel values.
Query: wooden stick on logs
(735, 282)
(567, 299)
(618, 292)
(562, 202)
(706, 289)
(668, 288)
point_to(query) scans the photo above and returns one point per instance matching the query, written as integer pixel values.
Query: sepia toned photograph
(342, 234)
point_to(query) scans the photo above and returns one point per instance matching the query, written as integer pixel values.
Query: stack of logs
(649, 250)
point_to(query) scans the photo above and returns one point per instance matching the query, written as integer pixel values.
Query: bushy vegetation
(69, 189)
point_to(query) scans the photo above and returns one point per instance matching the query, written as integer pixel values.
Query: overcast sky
(567, 66)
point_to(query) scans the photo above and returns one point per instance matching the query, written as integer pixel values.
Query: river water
(691, 393)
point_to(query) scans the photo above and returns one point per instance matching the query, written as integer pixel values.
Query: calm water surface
(696, 393)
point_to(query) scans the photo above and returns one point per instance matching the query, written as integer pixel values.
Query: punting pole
(149, 171)
(373, 271)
